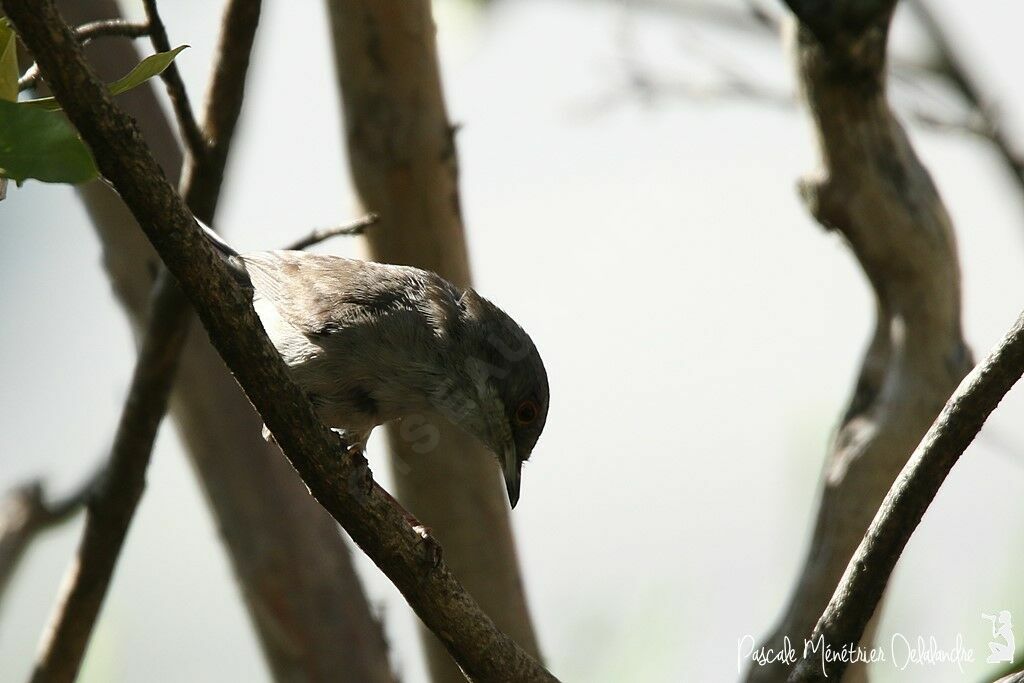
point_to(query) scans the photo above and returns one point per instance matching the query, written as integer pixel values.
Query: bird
(370, 343)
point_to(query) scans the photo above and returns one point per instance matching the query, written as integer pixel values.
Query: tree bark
(873, 189)
(401, 150)
(294, 569)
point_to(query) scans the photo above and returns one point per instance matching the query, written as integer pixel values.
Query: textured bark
(307, 605)
(340, 480)
(872, 188)
(401, 150)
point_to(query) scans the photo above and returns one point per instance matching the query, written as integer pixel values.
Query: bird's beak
(510, 468)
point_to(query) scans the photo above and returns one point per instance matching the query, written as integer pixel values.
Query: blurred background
(700, 331)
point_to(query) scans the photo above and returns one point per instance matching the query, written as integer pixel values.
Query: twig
(864, 581)
(356, 227)
(87, 33)
(342, 484)
(951, 66)
(752, 18)
(195, 140)
(24, 513)
(111, 512)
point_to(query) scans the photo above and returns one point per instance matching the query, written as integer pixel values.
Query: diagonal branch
(111, 510)
(342, 483)
(861, 587)
(294, 569)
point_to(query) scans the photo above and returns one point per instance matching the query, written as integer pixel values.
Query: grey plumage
(371, 343)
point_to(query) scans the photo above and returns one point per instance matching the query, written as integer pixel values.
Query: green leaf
(40, 144)
(8, 62)
(149, 67)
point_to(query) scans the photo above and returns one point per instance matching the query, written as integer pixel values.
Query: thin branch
(951, 66)
(195, 140)
(861, 587)
(356, 227)
(752, 17)
(25, 513)
(110, 510)
(86, 33)
(342, 483)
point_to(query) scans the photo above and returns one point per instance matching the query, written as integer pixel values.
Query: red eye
(526, 413)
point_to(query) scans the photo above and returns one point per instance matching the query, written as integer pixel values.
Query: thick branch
(864, 581)
(342, 484)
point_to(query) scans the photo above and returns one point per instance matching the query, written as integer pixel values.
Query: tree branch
(195, 140)
(356, 227)
(872, 189)
(864, 581)
(86, 33)
(341, 483)
(24, 514)
(951, 66)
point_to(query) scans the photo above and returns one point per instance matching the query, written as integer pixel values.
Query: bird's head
(504, 380)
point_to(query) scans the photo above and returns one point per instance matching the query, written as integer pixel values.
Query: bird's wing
(322, 294)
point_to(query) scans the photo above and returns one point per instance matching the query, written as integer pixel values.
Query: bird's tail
(217, 241)
(234, 261)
